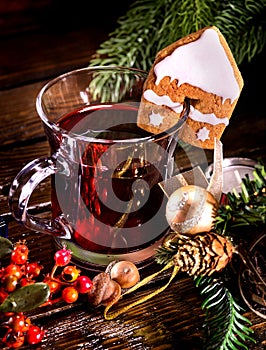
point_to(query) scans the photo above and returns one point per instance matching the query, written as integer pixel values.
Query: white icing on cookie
(155, 119)
(164, 100)
(202, 63)
(203, 134)
(209, 118)
(177, 107)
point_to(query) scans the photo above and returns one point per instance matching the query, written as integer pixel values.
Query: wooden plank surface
(31, 55)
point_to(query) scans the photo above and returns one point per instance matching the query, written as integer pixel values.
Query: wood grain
(35, 48)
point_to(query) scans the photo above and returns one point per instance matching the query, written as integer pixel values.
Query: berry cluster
(65, 282)
(16, 327)
(69, 282)
(19, 272)
(16, 330)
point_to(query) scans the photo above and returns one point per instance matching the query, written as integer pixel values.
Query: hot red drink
(115, 205)
(106, 201)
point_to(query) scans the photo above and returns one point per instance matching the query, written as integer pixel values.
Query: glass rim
(69, 134)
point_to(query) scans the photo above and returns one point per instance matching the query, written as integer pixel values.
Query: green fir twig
(245, 208)
(243, 25)
(165, 254)
(150, 25)
(227, 328)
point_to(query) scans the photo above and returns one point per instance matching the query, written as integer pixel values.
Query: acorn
(125, 273)
(191, 210)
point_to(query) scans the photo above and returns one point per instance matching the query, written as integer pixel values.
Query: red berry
(20, 323)
(20, 253)
(54, 286)
(70, 273)
(83, 284)
(70, 294)
(34, 335)
(10, 283)
(14, 340)
(13, 269)
(62, 257)
(19, 258)
(26, 281)
(33, 269)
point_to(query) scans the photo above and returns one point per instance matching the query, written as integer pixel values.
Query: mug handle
(19, 194)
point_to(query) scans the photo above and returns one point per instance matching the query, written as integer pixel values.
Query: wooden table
(36, 46)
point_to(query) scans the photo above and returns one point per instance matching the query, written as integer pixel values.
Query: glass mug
(106, 203)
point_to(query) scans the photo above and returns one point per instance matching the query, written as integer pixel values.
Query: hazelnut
(99, 284)
(125, 273)
(112, 293)
(104, 291)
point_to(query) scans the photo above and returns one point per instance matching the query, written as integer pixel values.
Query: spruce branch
(150, 25)
(227, 328)
(245, 208)
(243, 26)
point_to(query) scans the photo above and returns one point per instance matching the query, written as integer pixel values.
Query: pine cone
(203, 254)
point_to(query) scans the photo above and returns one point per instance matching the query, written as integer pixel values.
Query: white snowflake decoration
(155, 119)
(203, 134)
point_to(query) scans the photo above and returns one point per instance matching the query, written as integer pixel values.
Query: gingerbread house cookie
(199, 67)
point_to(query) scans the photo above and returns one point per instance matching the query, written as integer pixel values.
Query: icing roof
(202, 63)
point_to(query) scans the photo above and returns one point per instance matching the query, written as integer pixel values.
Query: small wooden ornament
(191, 210)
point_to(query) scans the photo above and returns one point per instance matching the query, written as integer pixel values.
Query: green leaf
(26, 298)
(5, 247)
